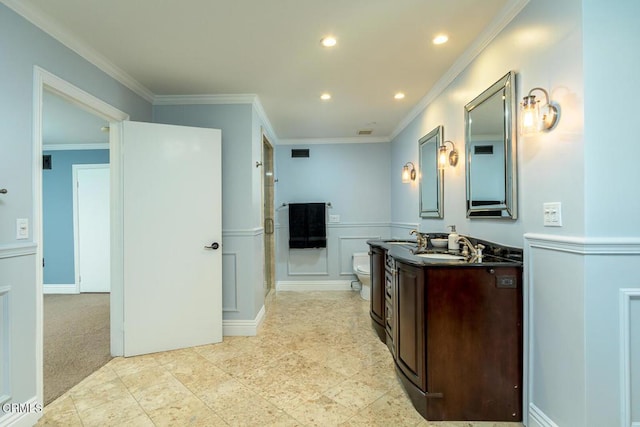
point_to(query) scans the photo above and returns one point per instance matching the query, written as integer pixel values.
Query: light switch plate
(552, 214)
(22, 228)
(334, 218)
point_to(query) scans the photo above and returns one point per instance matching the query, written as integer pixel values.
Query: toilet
(361, 267)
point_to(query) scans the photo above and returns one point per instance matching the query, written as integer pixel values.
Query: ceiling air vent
(299, 152)
(365, 132)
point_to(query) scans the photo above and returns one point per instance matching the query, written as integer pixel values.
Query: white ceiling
(271, 49)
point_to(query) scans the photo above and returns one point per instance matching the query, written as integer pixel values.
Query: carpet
(76, 340)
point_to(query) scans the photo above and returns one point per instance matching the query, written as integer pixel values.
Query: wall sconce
(452, 157)
(536, 118)
(408, 175)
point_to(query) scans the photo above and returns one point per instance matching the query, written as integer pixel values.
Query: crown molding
(266, 123)
(345, 140)
(55, 30)
(246, 98)
(506, 15)
(243, 98)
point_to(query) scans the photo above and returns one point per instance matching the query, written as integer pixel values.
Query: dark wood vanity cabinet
(377, 312)
(458, 340)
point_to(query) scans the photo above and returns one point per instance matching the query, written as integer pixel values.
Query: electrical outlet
(552, 214)
(22, 228)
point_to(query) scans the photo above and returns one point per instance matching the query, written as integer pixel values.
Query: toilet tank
(362, 259)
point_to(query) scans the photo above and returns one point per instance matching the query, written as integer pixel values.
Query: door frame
(44, 80)
(76, 217)
(269, 254)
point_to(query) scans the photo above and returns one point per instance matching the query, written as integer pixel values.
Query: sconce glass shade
(536, 118)
(408, 175)
(451, 158)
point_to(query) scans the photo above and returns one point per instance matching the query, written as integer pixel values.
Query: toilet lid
(363, 269)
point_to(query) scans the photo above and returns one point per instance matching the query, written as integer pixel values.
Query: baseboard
(537, 418)
(26, 414)
(243, 328)
(60, 289)
(314, 285)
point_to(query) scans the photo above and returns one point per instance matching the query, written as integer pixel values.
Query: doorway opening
(75, 244)
(49, 85)
(268, 190)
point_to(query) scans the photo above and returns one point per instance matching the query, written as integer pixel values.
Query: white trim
(407, 225)
(308, 273)
(585, 245)
(537, 418)
(223, 99)
(266, 123)
(313, 285)
(501, 20)
(626, 295)
(17, 249)
(246, 98)
(67, 147)
(339, 140)
(246, 232)
(55, 30)
(243, 328)
(347, 225)
(53, 289)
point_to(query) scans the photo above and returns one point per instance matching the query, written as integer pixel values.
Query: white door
(172, 224)
(92, 231)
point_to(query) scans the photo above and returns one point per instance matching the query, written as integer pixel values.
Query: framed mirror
(431, 178)
(490, 133)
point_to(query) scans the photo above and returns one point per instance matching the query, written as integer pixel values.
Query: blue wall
(57, 212)
(355, 178)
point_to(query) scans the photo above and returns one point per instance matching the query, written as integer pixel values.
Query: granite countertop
(493, 254)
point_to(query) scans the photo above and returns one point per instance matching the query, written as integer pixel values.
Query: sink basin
(448, 257)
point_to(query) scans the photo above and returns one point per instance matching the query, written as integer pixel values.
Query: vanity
(453, 327)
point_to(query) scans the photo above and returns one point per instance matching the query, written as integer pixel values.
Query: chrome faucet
(468, 250)
(421, 240)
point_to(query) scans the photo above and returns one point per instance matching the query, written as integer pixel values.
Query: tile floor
(315, 362)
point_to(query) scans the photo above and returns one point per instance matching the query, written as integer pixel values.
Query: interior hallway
(315, 361)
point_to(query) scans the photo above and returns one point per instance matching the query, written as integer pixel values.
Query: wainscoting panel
(229, 282)
(308, 262)
(5, 350)
(630, 355)
(582, 331)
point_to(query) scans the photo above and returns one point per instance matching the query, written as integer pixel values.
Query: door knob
(213, 246)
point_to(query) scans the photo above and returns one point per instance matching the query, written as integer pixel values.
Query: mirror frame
(508, 208)
(435, 136)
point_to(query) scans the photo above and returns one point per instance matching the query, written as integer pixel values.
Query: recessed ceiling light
(398, 95)
(328, 41)
(325, 96)
(440, 39)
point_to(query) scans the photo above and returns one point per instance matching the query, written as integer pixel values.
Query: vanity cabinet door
(377, 285)
(474, 352)
(410, 334)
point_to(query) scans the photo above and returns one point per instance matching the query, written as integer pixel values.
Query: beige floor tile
(316, 361)
(321, 411)
(252, 411)
(354, 394)
(112, 413)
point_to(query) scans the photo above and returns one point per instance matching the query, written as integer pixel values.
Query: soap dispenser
(453, 239)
